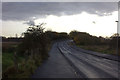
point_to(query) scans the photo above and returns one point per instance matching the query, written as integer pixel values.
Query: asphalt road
(68, 62)
(55, 67)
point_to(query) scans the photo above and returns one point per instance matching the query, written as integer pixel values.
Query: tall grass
(26, 66)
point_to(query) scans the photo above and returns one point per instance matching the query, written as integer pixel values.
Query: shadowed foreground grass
(7, 59)
(25, 67)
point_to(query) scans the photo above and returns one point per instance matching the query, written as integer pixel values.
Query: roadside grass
(7, 60)
(99, 48)
(7, 54)
(26, 66)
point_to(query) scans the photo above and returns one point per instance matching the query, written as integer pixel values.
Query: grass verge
(99, 48)
(26, 66)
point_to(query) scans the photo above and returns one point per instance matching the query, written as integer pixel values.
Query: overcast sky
(91, 17)
(23, 10)
(60, 0)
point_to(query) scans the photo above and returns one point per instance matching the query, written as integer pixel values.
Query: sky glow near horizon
(60, 18)
(84, 22)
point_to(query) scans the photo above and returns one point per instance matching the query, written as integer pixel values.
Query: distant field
(7, 44)
(0, 47)
(0, 44)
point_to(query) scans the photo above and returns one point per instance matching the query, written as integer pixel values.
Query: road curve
(89, 66)
(55, 67)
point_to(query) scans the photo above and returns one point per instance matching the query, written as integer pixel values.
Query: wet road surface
(67, 61)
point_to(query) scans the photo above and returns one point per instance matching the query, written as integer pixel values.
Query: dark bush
(83, 38)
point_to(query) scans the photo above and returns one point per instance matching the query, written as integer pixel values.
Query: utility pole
(118, 27)
(117, 37)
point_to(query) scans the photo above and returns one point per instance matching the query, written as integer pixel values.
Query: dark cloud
(0, 10)
(27, 10)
